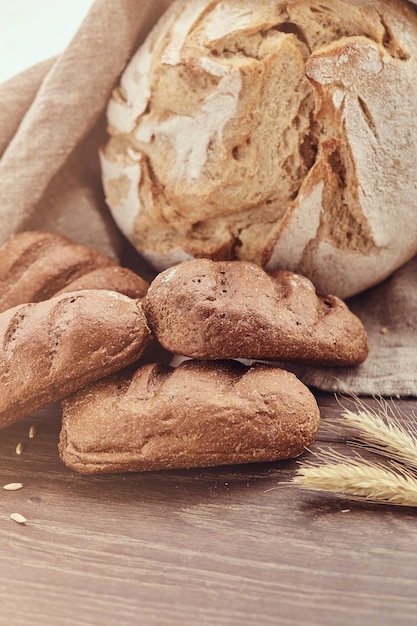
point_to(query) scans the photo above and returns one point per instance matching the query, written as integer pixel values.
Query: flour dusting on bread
(276, 132)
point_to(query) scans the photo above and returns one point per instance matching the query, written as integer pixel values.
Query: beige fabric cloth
(51, 124)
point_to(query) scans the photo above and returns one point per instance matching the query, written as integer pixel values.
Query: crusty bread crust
(36, 265)
(197, 415)
(120, 279)
(277, 132)
(233, 309)
(52, 348)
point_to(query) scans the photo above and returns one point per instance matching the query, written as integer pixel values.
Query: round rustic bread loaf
(277, 132)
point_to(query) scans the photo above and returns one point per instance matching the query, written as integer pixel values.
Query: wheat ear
(359, 479)
(380, 431)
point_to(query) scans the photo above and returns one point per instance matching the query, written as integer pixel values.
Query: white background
(33, 30)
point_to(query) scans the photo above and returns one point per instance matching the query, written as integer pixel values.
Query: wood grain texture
(229, 546)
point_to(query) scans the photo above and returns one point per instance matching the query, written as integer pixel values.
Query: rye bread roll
(115, 278)
(234, 309)
(197, 415)
(52, 348)
(276, 132)
(36, 265)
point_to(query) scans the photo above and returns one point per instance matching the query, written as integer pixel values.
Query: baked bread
(197, 415)
(234, 309)
(120, 279)
(36, 265)
(277, 132)
(52, 348)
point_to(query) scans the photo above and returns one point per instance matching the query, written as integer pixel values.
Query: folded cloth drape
(51, 124)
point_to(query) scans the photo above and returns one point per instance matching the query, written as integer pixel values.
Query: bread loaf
(233, 309)
(120, 279)
(52, 348)
(197, 415)
(36, 265)
(277, 132)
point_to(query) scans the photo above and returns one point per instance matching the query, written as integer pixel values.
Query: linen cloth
(52, 121)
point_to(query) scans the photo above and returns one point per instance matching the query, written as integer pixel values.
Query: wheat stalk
(359, 479)
(381, 432)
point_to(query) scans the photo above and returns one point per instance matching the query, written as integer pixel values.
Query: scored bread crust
(205, 309)
(280, 132)
(120, 279)
(36, 265)
(196, 415)
(52, 348)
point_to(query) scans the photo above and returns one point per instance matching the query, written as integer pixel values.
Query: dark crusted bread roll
(233, 309)
(113, 278)
(35, 265)
(197, 415)
(52, 348)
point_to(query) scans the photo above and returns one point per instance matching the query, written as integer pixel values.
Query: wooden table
(231, 546)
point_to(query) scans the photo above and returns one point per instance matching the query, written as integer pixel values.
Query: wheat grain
(13, 486)
(359, 479)
(17, 517)
(32, 431)
(19, 448)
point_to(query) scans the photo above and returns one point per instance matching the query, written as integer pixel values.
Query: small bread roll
(36, 265)
(52, 348)
(277, 132)
(197, 415)
(115, 278)
(234, 309)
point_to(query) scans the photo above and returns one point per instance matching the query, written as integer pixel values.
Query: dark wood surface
(229, 546)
